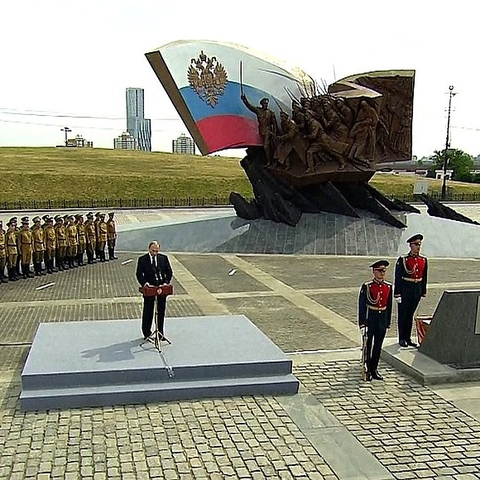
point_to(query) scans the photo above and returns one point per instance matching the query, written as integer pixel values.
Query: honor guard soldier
(50, 244)
(102, 237)
(44, 218)
(96, 222)
(25, 247)
(38, 235)
(12, 251)
(3, 253)
(14, 221)
(374, 317)
(82, 239)
(111, 236)
(91, 235)
(72, 241)
(410, 286)
(62, 243)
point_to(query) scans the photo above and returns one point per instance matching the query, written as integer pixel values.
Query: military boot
(3, 278)
(25, 270)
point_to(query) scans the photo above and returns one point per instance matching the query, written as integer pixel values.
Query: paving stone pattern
(301, 303)
(412, 431)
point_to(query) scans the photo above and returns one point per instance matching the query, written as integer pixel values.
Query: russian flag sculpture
(205, 80)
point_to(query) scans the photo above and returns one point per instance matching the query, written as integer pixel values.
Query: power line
(40, 113)
(466, 128)
(80, 127)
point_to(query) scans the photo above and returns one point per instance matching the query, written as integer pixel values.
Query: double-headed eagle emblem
(208, 78)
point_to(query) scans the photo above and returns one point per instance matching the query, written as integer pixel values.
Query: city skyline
(79, 80)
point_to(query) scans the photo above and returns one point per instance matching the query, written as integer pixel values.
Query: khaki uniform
(72, 239)
(38, 248)
(12, 254)
(50, 247)
(111, 238)
(62, 243)
(82, 241)
(91, 238)
(3, 254)
(97, 238)
(25, 248)
(102, 239)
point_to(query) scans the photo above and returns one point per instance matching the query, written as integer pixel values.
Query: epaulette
(387, 283)
(368, 283)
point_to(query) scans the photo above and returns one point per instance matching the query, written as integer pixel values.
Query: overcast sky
(75, 58)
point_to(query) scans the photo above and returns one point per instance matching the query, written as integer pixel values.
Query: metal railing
(450, 197)
(215, 201)
(117, 203)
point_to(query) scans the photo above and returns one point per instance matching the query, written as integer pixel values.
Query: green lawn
(41, 174)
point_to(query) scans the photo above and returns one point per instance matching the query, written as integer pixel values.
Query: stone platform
(424, 369)
(100, 363)
(315, 234)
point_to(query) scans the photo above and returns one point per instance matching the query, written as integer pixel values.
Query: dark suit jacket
(146, 272)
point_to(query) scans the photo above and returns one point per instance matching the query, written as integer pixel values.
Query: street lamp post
(447, 143)
(66, 130)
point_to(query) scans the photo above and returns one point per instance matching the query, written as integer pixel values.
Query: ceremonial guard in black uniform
(374, 317)
(410, 287)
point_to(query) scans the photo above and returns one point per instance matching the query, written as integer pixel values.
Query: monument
(310, 147)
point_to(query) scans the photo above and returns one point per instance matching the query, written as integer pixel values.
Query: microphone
(158, 274)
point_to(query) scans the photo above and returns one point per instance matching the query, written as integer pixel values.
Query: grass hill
(40, 174)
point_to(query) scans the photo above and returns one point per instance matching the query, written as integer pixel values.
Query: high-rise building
(183, 144)
(125, 141)
(139, 127)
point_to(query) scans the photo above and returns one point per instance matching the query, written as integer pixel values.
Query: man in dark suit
(153, 269)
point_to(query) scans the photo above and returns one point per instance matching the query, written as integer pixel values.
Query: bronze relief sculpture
(309, 149)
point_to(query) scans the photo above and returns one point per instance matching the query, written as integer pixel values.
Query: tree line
(462, 164)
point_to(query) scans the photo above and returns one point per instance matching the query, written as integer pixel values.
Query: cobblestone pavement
(307, 306)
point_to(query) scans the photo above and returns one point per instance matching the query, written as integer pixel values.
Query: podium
(154, 290)
(165, 290)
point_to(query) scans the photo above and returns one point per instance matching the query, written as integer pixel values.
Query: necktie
(153, 261)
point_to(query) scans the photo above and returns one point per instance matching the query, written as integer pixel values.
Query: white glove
(398, 299)
(363, 331)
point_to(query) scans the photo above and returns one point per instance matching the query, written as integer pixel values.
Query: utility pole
(66, 130)
(447, 143)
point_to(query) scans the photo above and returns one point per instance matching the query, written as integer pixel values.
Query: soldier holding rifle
(374, 317)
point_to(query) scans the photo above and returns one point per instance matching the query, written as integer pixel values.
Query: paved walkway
(337, 427)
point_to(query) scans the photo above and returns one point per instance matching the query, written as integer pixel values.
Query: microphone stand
(157, 337)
